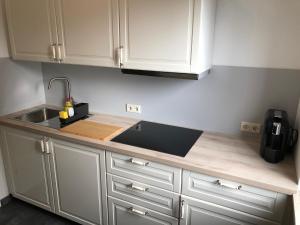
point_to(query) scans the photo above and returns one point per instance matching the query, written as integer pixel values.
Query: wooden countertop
(213, 154)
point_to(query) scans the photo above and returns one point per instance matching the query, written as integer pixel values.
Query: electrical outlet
(251, 127)
(133, 108)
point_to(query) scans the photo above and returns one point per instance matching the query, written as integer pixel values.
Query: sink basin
(39, 116)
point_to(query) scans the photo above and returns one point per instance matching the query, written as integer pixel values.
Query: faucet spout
(67, 83)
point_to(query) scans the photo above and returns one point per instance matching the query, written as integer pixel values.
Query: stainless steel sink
(45, 117)
(39, 115)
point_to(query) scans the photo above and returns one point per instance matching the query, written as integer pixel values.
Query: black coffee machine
(278, 137)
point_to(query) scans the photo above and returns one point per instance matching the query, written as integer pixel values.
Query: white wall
(258, 33)
(3, 45)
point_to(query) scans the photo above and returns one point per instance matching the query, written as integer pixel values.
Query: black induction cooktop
(159, 137)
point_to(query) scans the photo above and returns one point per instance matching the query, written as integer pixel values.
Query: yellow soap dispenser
(69, 108)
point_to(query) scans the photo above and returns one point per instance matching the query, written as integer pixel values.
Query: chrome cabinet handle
(58, 52)
(135, 187)
(135, 211)
(47, 146)
(42, 145)
(139, 163)
(228, 185)
(120, 56)
(182, 211)
(53, 52)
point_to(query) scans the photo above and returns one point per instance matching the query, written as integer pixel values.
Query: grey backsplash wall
(21, 85)
(218, 102)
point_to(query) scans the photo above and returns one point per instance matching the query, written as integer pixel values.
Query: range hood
(186, 76)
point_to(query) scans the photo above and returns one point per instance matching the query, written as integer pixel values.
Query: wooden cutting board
(93, 130)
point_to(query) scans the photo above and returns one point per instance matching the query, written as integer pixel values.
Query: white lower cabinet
(58, 176)
(77, 173)
(197, 212)
(27, 168)
(125, 213)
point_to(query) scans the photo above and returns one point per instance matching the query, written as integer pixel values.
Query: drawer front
(148, 196)
(147, 172)
(125, 213)
(197, 212)
(262, 203)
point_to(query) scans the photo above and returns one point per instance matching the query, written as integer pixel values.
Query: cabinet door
(157, 34)
(88, 31)
(77, 183)
(126, 213)
(32, 29)
(28, 168)
(197, 212)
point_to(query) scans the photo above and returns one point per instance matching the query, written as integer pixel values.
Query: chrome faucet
(67, 83)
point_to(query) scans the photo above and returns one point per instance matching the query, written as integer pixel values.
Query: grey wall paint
(21, 86)
(218, 102)
(258, 33)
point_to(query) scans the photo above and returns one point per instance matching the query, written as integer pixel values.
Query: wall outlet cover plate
(133, 108)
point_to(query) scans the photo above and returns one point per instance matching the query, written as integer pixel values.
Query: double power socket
(133, 108)
(254, 128)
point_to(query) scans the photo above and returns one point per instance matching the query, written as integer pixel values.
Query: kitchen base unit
(27, 167)
(93, 186)
(37, 167)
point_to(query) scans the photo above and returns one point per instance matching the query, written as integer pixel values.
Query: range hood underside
(186, 76)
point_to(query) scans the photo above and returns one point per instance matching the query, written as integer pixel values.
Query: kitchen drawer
(259, 202)
(147, 172)
(148, 196)
(125, 213)
(198, 212)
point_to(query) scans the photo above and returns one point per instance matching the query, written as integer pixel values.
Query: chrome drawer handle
(228, 185)
(138, 212)
(139, 163)
(134, 187)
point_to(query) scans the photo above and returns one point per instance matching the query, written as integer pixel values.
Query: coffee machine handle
(293, 138)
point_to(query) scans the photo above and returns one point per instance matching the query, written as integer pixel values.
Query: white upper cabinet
(31, 29)
(163, 35)
(157, 35)
(88, 31)
(65, 31)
